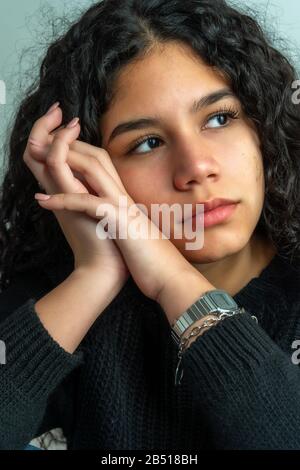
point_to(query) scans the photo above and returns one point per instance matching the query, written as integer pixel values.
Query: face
(187, 156)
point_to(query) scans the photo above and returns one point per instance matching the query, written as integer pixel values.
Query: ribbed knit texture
(240, 388)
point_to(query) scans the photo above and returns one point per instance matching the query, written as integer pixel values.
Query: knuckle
(74, 146)
(92, 159)
(53, 163)
(58, 138)
(84, 197)
(61, 199)
(57, 133)
(101, 155)
(60, 134)
(94, 163)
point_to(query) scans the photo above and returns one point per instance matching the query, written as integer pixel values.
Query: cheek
(255, 183)
(258, 175)
(246, 172)
(141, 185)
(259, 170)
(247, 167)
(254, 162)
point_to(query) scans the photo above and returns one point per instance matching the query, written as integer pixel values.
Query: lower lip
(215, 216)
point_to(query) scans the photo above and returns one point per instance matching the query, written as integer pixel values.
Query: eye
(144, 141)
(218, 115)
(222, 117)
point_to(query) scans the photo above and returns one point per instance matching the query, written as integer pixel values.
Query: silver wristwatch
(214, 301)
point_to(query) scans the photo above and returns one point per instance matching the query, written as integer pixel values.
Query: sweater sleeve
(246, 386)
(32, 367)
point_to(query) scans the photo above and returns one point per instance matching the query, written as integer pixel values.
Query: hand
(45, 155)
(152, 261)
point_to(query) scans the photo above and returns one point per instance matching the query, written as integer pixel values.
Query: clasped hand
(81, 178)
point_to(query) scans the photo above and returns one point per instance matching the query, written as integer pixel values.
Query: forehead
(165, 66)
(169, 76)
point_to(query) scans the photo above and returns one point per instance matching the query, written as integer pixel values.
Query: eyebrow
(145, 122)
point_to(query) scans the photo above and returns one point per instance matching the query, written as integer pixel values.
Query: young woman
(156, 102)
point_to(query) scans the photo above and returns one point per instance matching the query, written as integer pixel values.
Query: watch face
(222, 299)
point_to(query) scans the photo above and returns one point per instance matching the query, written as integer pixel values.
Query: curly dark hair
(79, 71)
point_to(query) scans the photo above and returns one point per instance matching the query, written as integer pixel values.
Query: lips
(210, 205)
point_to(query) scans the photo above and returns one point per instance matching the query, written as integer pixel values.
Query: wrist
(180, 292)
(210, 318)
(105, 281)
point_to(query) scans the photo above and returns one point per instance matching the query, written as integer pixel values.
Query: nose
(193, 162)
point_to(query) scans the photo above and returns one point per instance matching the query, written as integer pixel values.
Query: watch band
(215, 301)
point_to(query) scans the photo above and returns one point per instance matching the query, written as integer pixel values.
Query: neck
(235, 271)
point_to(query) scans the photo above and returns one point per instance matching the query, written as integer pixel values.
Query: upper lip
(210, 205)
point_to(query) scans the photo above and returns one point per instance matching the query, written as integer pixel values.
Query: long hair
(79, 70)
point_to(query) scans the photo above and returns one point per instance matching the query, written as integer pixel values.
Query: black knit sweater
(240, 388)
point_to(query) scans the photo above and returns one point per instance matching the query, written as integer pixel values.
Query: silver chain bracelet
(195, 332)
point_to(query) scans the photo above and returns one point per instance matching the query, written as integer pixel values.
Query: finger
(46, 124)
(40, 145)
(54, 132)
(39, 170)
(77, 146)
(78, 184)
(84, 202)
(102, 156)
(42, 134)
(41, 174)
(38, 141)
(56, 159)
(94, 173)
(41, 150)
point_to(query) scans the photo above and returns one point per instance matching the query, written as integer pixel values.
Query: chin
(213, 250)
(199, 257)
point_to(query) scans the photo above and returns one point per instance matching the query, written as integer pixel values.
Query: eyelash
(226, 111)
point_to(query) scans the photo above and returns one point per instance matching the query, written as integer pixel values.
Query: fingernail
(72, 123)
(53, 107)
(42, 197)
